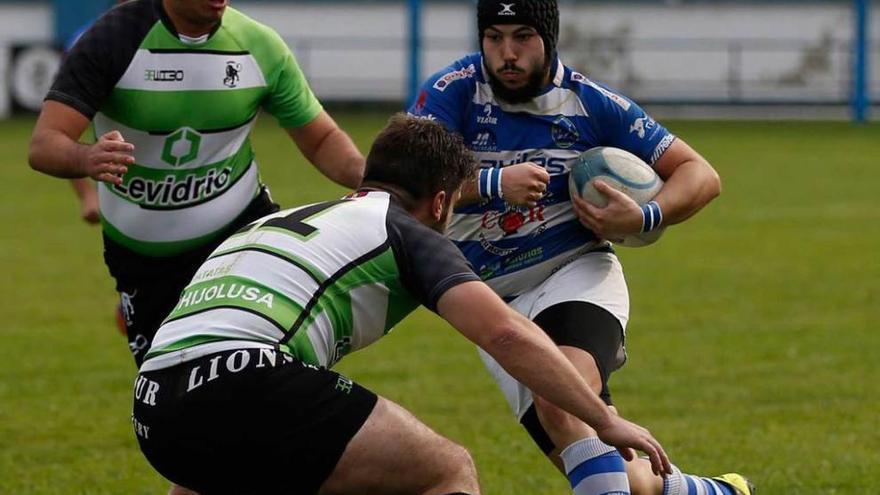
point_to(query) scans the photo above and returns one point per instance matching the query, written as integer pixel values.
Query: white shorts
(596, 278)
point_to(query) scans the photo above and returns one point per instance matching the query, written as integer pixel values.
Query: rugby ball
(623, 171)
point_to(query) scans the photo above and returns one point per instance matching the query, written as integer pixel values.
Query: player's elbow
(504, 337)
(713, 184)
(35, 154)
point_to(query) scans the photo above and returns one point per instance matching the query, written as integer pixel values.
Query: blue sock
(679, 483)
(594, 468)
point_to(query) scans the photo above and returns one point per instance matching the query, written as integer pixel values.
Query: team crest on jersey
(453, 76)
(564, 133)
(232, 74)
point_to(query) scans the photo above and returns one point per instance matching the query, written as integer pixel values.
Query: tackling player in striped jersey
(235, 396)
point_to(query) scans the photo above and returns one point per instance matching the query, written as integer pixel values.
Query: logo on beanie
(507, 9)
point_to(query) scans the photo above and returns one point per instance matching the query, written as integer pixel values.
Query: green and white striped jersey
(188, 107)
(316, 282)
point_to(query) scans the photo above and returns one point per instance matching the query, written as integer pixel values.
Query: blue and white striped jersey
(515, 248)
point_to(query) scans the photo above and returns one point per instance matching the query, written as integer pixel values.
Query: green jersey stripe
(220, 130)
(298, 262)
(192, 340)
(231, 307)
(302, 348)
(237, 292)
(336, 300)
(400, 303)
(157, 248)
(203, 109)
(306, 314)
(195, 340)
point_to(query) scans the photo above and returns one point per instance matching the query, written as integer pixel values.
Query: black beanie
(543, 15)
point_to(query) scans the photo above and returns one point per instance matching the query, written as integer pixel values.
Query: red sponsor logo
(511, 221)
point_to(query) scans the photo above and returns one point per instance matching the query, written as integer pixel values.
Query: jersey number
(295, 222)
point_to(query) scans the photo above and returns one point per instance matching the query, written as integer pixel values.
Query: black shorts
(149, 287)
(235, 423)
(565, 324)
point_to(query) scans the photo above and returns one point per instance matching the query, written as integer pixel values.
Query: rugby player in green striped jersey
(173, 88)
(236, 395)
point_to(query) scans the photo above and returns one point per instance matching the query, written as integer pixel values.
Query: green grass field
(753, 344)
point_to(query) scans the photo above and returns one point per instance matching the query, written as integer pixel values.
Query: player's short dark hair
(419, 156)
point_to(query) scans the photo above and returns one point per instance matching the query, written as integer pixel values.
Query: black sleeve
(101, 56)
(429, 263)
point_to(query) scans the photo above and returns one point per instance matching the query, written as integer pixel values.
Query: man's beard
(521, 95)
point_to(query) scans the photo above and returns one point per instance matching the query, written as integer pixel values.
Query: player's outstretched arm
(55, 149)
(691, 182)
(525, 351)
(330, 149)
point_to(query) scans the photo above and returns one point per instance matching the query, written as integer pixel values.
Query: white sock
(594, 468)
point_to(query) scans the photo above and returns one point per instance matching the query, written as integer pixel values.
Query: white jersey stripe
(175, 358)
(213, 147)
(321, 338)
(557, 101)
(157, 71)
(369, 306)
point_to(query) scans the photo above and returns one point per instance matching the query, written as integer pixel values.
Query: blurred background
(692, 58)
(753, 341)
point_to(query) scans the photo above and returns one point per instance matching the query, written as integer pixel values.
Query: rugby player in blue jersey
(527, 117)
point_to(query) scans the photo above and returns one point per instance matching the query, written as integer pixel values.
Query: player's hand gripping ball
(622, 171)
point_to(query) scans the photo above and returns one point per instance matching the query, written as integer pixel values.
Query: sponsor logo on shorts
(138, 344)
(126, 304)
(453, 76)
(140, 429)
(235, 362)
(344, 385)
(145, 390)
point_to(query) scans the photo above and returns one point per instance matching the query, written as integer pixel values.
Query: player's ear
(437, 204)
